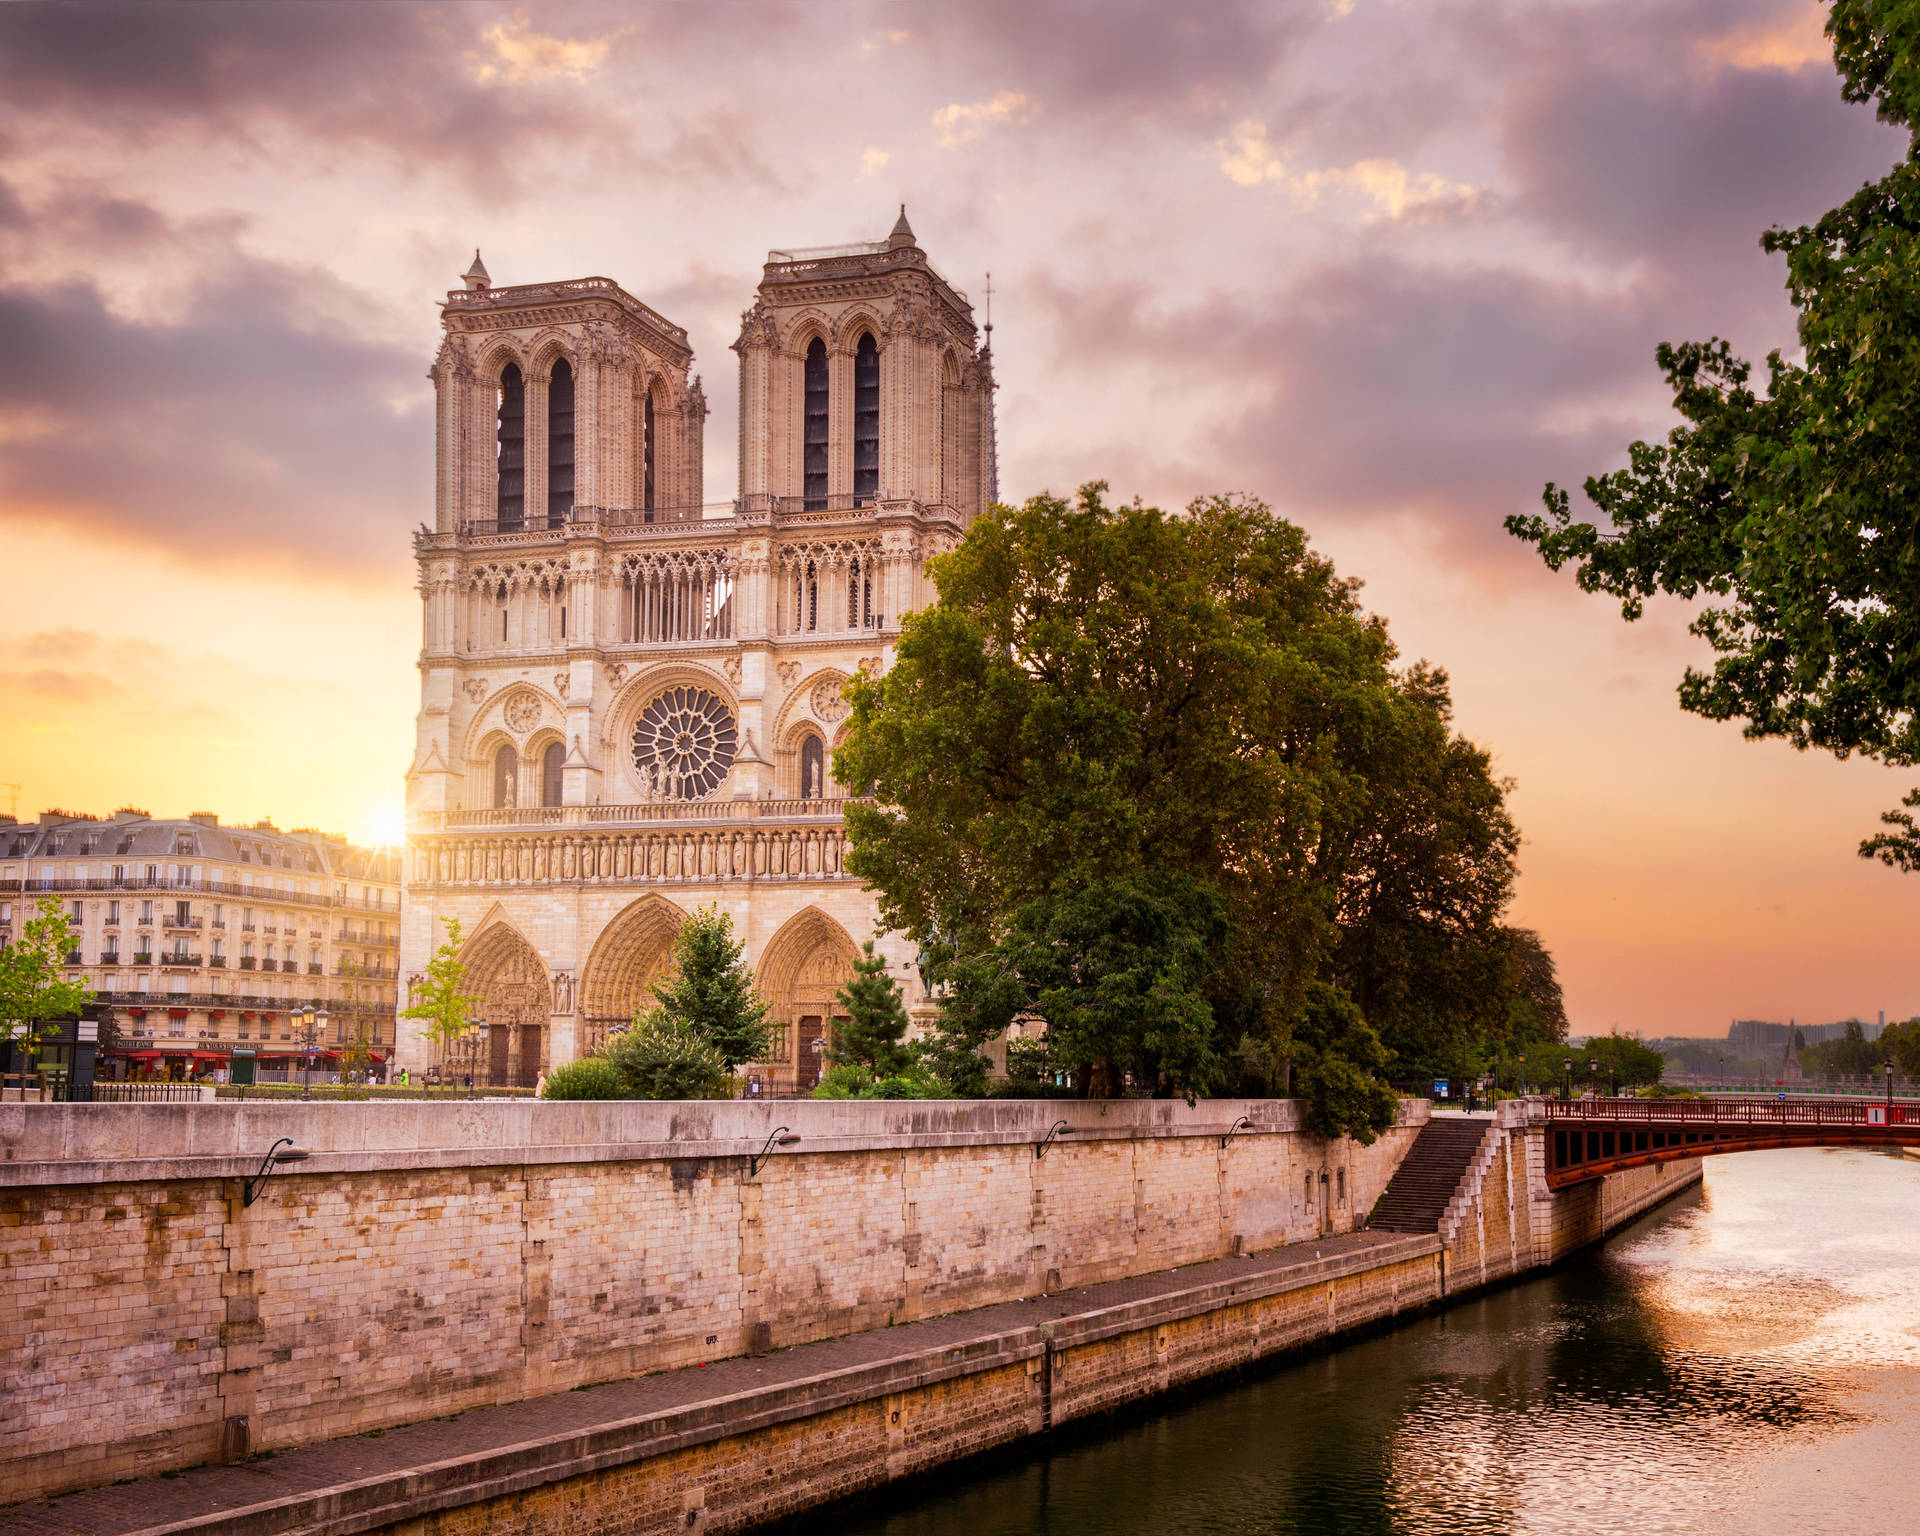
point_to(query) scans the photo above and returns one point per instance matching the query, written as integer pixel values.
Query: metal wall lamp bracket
(1242, 1123)
(250, 1191)
(780, 1137)
(1059, 1128)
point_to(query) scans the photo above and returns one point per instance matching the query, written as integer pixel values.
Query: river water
(1745, 1360)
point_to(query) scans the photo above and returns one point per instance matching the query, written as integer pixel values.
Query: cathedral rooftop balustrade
(645, 813)
(524, 295)
(713, 520)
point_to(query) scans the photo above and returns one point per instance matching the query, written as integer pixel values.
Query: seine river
(1745, 1360)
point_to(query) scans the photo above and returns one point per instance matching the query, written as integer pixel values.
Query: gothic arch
(798, 706)
(632, 952)
(802, 328)
(639, 691)
(801, 969)
(861, 317)
(492, 719)
(493, 361)
(545, 350)
(515, 995)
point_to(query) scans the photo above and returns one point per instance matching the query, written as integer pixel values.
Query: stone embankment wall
(1504, 1220)
(430, 1258)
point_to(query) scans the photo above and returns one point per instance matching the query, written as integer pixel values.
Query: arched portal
(807, 962)
(516, 1005)
(631, 954)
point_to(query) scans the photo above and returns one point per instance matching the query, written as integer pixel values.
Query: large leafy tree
(1794, 510)
(1176, 742)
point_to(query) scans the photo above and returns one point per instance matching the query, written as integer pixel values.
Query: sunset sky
(1388, 264)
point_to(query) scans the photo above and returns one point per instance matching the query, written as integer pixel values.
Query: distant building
(201, 939)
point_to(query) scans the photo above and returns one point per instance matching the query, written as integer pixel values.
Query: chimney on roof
(204, 818)
(902, 232)
(475, 277)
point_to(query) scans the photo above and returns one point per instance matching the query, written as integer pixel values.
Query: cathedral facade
(629, 698)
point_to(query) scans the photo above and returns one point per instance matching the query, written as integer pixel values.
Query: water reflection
(1747, 1360)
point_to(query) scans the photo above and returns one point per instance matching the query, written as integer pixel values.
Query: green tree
(872, 1033)
(1107, 703)
(1636, 1065)
(710, 989)
(1793, 510)
(34, 987)
(1336, 1052)
(665, 1055)
(438, 1002)
(1116, 968)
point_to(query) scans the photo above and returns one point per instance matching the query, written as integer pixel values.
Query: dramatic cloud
(1654, 141)
(447, 84)
(248, 426)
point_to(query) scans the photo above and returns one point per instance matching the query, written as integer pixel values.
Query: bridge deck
(1589, 1138)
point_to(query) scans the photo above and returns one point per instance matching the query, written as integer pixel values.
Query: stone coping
(45, 1144)
(367, 1482)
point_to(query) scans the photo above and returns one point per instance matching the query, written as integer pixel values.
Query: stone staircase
(1417, 1197)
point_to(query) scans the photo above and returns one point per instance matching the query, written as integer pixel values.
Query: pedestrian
(540, 1084)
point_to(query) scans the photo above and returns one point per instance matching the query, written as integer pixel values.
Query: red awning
(216, 1013)
(138, 1013)
(246, 1013)
(176, 1013)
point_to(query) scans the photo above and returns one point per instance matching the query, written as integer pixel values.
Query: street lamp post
(1523, 1077)
(1567, 1067)
(1889, 1068)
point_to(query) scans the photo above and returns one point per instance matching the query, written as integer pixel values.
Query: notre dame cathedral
(629, 698)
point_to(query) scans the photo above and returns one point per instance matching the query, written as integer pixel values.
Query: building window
(866, 420)
(813, 756)
(506, 765)
(816, 425)
(1309, 1190)
(647, 459)
(550, 777)
(513, 448)
(559, 443)
(113, 911)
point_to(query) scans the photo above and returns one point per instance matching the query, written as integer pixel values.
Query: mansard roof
(134, 835)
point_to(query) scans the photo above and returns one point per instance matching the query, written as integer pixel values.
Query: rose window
(683, 744)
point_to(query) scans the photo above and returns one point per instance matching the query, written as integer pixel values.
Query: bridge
(1588, 1138)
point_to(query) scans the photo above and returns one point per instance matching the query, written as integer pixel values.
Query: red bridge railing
(1591, 1137)
(1733, 1112)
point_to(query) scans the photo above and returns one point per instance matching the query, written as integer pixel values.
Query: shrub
(664, 1056)
(592, 1077)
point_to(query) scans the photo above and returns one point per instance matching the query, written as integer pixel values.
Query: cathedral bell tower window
(866, 421)
(559, 444)
(647, 459)
(512, 466)
(550, 776)
(815, 422)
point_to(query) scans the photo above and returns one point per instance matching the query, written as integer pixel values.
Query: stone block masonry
(731, 1446)
(428, 1259)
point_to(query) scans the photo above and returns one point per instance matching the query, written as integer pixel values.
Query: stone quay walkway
(365, 1481)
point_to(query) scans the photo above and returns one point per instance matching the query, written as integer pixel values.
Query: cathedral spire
(986, 369)
(902, 232)
(475, 277)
